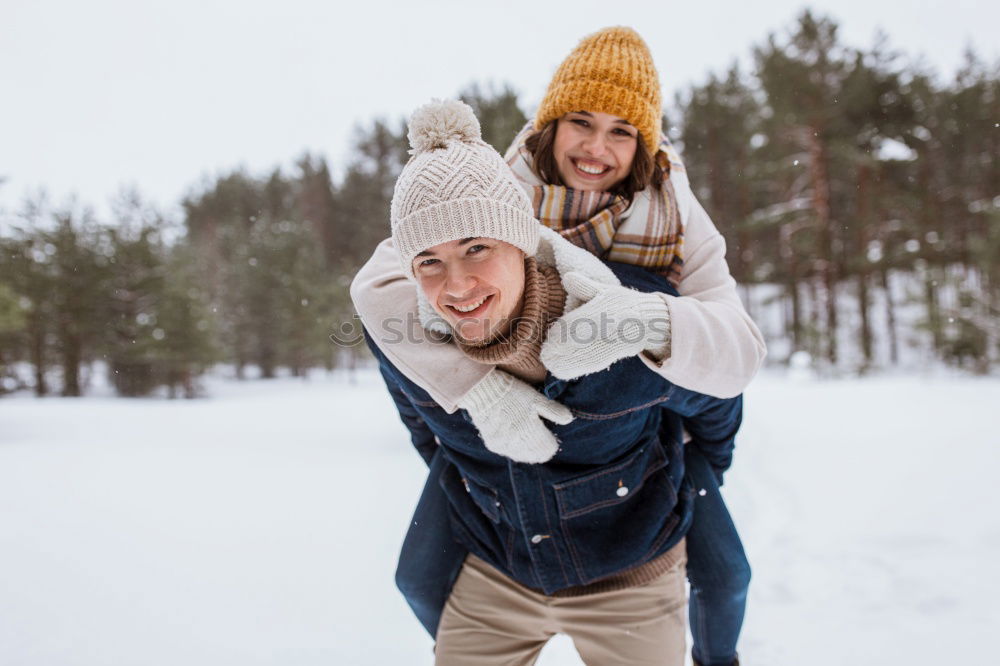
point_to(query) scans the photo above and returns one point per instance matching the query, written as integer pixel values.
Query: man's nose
(458, 282)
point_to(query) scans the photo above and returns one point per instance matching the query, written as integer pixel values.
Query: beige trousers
(492, 620)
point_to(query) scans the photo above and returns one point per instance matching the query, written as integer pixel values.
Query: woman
(606, 181)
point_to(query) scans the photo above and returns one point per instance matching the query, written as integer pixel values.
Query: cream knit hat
(456, 186)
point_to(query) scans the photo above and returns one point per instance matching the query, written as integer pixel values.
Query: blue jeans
(717, 569)
(430, 561)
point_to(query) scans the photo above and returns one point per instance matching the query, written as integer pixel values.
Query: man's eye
(428, 262)
(477, 248)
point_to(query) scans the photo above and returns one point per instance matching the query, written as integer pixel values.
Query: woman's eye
(623, 132)
(580, 121)
(477, 248)
(428, 262)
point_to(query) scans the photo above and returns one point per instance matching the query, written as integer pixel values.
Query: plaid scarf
(647, 233)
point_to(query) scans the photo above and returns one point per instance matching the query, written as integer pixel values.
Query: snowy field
(261, 525)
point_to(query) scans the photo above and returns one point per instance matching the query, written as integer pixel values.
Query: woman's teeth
(593, 170)
(471, 307)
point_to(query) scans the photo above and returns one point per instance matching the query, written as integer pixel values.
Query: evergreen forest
(858, 192)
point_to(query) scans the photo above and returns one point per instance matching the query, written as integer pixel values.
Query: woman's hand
(508, 414)
(614, 322)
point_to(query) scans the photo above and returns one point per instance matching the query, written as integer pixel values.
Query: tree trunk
(72, 348)
(796, 327)
(866, 330)
(927, 220)
(38, 358)
(815, 328)
(890, 314)
(933, 311)
(266, 359)
(862, 263)
(744, 247)
(821, 206)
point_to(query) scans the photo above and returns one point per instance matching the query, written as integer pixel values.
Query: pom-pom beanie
(456, 186)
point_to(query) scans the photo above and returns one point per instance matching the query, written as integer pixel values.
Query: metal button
(622, 491)
(536, 539)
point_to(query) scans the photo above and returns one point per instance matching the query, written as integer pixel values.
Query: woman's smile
(589, 168)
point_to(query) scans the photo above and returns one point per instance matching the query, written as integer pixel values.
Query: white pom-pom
(433, 125)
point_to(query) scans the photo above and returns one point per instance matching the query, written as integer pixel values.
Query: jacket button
(536, 539)
(622, 491)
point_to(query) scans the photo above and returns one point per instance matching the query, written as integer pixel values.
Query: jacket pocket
(619, 516)
(476, 516)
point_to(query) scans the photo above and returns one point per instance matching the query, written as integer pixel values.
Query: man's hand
(508, 414)
(614, 322)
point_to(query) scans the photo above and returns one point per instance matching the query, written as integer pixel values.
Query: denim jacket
(613, 497)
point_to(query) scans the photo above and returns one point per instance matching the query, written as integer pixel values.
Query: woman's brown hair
(644, 172)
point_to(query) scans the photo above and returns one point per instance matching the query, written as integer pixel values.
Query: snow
(261, 525)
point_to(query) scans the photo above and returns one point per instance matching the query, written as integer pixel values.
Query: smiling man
(476, 284)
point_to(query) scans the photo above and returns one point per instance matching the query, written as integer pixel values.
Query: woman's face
(594, 151)
(476, 284)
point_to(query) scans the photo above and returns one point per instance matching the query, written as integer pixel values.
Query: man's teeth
(593, 170)
(470, 308)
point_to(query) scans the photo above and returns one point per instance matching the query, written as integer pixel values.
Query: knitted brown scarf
(517, 351)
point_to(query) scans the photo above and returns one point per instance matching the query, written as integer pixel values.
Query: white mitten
(508, 414)
(613, 323)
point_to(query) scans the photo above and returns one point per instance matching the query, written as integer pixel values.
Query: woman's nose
(595, 144)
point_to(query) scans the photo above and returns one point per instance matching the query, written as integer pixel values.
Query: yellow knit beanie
(610, 71)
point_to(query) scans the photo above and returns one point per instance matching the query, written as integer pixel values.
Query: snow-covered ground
(261, 525)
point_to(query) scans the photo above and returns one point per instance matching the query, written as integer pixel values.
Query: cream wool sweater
(715, 347)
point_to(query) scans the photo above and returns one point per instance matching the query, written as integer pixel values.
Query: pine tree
(184, 344)
(720, 138)
(12, 327)
(76, 274)
(27, 272)
(136, 283)
(803, 79)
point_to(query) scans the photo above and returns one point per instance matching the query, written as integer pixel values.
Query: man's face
(476, 284)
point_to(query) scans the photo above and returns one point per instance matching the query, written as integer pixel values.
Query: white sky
(97, 94)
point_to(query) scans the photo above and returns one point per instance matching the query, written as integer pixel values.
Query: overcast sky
(101, 93)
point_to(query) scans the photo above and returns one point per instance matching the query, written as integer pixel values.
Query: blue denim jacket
(613, 497)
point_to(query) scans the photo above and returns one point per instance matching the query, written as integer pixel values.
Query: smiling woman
(594, 151)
